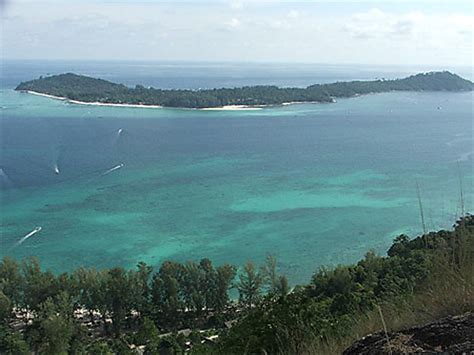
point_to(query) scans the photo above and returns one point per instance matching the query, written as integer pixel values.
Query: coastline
(218, 108)
(194, 99)
(333, 100)
(232, 108)
(44, 95)
(77, 102)
(91, 103)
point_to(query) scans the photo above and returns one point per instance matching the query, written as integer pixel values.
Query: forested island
(91, 90)
(186, 307)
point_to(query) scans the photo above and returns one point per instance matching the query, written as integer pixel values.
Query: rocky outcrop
(451, 335)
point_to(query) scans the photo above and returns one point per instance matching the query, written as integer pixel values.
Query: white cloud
(378, 24)
(234, 22)
(234, 30)
(236, 5)
(293, 14)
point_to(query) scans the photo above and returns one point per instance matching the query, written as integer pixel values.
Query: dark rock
(451, 335)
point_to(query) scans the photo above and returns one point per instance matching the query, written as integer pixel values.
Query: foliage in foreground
(420, 280)
(112, 311)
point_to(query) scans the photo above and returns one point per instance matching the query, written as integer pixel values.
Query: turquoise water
(315, 184)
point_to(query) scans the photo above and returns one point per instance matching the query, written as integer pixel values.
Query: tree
(120, 296)
(166, 296)
(400, 246)
(99, 348)
(99, 294)
(143, 279)
(148, 335)
(193, 297)
(207, 281)
(5, 308)
(67, 283)
(282, 287)
(12, 343)
(249, 285)
(54, 326)
(88, 283)
(38, 285)
(225, 276)
(11, 280)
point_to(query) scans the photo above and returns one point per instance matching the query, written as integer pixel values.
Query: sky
(337, 32)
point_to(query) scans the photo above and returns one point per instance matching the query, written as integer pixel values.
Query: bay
(314, 184)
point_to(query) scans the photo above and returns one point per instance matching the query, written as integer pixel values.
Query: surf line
(32, 233)
(113, 169)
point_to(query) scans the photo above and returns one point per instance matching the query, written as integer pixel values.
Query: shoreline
(233, 108)
(199, 99)
(220, 108)
(90, 103)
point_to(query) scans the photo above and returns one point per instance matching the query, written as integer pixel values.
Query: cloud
(234, 22)
(402, 27)
(376, 23)
(293, 14)
(233, 30)
(236, 5)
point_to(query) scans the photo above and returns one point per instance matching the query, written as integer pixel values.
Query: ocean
(313, 184)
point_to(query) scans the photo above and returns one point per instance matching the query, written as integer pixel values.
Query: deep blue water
(315, 184)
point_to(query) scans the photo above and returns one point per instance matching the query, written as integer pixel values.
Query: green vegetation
(86, 89)
(420, 280)
(183, 306)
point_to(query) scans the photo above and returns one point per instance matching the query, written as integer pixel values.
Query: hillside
(86, 89)
(187, 307)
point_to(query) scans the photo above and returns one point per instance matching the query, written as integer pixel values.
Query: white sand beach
(92, 103)
(113, 105)
(46, 95)
(221, 108)
(232, 108)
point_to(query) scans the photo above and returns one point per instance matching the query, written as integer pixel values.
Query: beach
(232, 108)
(220, 108)
(92, 103)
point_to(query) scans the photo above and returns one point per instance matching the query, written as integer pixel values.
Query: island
(87, 90)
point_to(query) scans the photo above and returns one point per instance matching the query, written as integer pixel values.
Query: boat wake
(32, 233)
(4, 177)
(113, 169)
(117, 136)
(56, 169)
